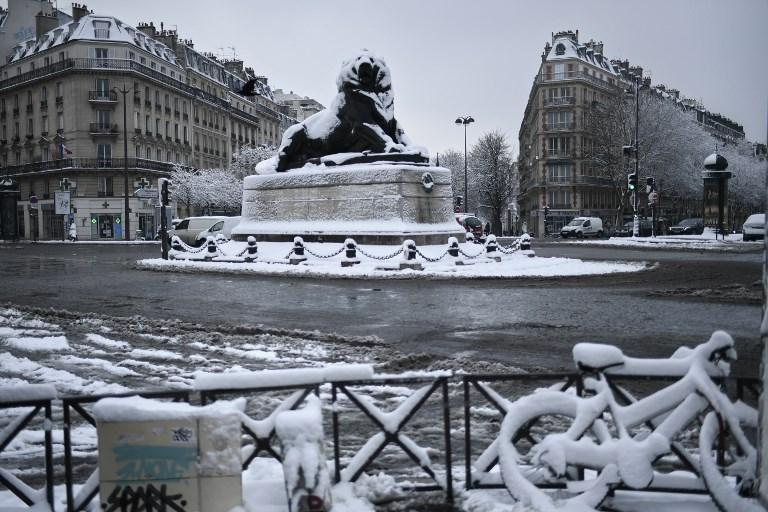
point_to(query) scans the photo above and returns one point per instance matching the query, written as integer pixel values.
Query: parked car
(223, 227)
(754, 227)
(646, 228)
(188, 229)
(581, 227)
(472, 224)
(688, 227)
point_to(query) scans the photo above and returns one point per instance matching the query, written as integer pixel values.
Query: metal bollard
(491, 246)
(211, 248)
(453, 250)
(350, 253)
(221, 239)
(298, 251)
(525, 245)
(469, 238)
(409, 256)
(176, 244)
(252, 249)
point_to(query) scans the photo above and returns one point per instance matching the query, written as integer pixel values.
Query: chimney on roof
(598, 47)
(234, 66)
(79, 11)
(262, 79)
(147, 28)
(45, 22)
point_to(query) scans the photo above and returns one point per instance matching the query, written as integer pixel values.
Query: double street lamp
(465, 121)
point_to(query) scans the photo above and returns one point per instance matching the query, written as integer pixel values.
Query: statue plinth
(383, 203)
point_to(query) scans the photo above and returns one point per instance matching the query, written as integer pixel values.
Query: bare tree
(207, 188)
(493, 173)
(454, 160)
(671, 144)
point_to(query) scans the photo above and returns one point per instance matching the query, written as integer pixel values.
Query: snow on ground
(705, 241)
(114, 354)
(272, 261)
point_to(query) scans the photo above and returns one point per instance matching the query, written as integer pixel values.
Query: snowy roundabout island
(349, 195)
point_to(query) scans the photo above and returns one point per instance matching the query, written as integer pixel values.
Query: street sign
(62, 200)
(146, 193)
(33, 202)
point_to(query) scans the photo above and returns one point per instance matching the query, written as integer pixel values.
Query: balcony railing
(102, 96)
(129, 65)
(553, 127)
(43, 104)
(562, 100)
(3, 115)
(574, 75)
(137, 101)
(559, 153)
(148, 103)
(15, 111)
(103, 129)
(594, 180)
(30, 108)
(59, 101)
(90, 163)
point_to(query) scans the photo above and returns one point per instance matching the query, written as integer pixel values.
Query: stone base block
(382, 204)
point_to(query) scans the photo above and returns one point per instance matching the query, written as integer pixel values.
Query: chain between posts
(323, 256)
(431, 260)
(471, 256)
(380, 258)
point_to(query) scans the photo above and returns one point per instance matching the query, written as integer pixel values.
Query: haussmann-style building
(63, 95)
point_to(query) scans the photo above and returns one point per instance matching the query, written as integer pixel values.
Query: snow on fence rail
(350, 388)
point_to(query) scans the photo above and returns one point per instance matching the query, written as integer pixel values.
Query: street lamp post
(127, 216)
(465, 121)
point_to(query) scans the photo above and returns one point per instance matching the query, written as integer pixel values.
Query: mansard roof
(94, 28)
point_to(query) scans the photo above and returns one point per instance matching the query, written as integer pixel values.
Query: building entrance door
(106, 226)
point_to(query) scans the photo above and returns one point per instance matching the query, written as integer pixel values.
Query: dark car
(646, 228)
(688, 227)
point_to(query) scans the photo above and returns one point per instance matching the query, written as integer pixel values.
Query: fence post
(469, 238)
(525, 245)
(211, 248)
(453, 250)
(307, 479)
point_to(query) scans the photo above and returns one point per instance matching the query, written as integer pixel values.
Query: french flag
(64, 150)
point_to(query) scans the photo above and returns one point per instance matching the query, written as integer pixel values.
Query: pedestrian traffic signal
(632, 181)
(459, 200)
(650, 184)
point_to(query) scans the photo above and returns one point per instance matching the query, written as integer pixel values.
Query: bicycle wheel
(522, 470)
(728, 459)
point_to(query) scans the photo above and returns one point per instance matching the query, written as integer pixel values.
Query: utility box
(189, 462)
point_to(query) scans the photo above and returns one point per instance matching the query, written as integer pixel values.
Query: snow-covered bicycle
(603, 444)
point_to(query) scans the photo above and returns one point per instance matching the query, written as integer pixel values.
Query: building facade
(299, 107)
(553, 167)
(87, 103)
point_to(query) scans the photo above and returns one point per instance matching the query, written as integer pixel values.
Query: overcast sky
(478, 57)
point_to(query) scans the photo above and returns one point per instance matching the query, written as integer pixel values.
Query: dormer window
(101, 29)
(560, 49)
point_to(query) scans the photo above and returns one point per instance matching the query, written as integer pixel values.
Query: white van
(583, 226)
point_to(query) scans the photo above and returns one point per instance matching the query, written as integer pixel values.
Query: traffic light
(459, 200)
(632, 182)
(546, 211)
(650, 184)
(165, 191)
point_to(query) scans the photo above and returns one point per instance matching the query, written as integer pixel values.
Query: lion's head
(367, 72)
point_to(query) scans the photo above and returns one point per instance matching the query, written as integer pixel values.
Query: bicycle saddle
(597, 357)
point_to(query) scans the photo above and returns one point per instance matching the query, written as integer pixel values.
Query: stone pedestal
(372, 203)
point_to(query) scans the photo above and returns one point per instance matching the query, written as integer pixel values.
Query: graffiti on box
(145, 498)
(142, 462)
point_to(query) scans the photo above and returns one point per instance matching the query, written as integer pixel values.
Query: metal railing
(349, 398)
(103, 96)
(562, 100)
(89, 163)
(574, 75)
(103, 129)
(550, 127)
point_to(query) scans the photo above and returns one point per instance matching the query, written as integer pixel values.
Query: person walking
(72, 231)
(487, 228)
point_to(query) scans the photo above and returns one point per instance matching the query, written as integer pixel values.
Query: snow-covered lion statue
(360, 120)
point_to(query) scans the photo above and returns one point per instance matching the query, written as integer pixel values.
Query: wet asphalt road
(526, 323)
